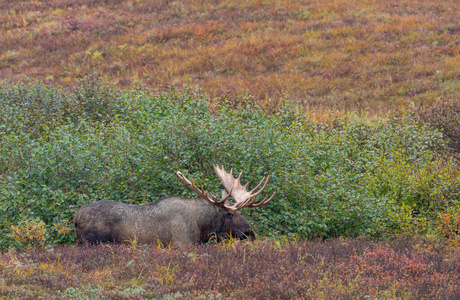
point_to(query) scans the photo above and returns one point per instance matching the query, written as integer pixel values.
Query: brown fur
(171, 221)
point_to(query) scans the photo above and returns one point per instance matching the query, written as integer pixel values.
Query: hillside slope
(366, 55)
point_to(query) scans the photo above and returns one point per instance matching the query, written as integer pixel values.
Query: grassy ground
(405, 268)
(352, 55)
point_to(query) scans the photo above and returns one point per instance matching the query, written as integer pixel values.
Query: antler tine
(191, 184)
(250, 202)
(242, 204)
(242, 198)
(260, 191)
(225, 177)
(224, 198)
(201, 192)
(263, 202)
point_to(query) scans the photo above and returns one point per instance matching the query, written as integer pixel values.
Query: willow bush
(60, 149)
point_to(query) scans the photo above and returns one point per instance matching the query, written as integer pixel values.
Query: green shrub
(348, 178)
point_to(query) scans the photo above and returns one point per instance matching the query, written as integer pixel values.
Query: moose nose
(250, 235)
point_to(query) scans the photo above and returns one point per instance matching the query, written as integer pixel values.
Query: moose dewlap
(173, 221)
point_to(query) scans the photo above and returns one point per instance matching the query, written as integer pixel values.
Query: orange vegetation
(346, 54)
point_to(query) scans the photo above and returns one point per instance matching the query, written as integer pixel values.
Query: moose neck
(210, 219)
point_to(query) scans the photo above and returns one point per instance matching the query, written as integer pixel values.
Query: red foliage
(340, 268)
(329, 53)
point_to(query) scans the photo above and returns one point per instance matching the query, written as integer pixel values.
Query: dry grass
(344, 54)
(335, 269)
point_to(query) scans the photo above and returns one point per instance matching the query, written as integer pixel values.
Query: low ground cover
(347, 54)
(405, 268)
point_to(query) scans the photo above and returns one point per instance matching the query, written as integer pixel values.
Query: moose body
(172, 221)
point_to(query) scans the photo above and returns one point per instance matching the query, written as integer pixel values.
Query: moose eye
(229, 215)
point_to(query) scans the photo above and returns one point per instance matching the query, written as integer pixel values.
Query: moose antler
(239, 193)
(201, 192)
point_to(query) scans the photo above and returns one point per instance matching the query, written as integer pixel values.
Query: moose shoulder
(172, 221)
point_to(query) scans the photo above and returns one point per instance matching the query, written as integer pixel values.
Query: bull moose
(173, 221)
